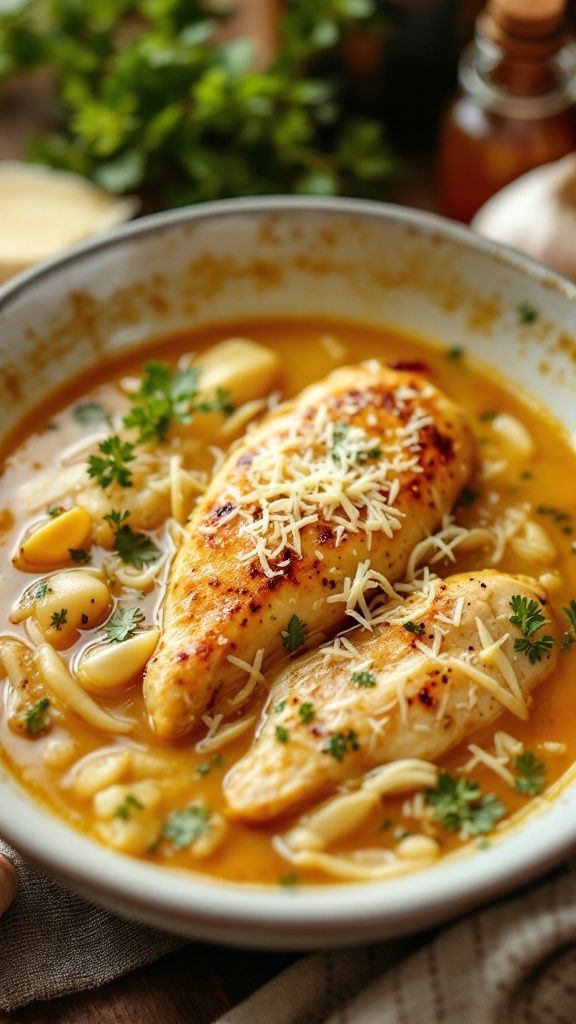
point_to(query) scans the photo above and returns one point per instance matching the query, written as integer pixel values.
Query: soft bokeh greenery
(151, 101)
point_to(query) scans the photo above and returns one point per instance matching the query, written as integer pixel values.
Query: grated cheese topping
(319, 470)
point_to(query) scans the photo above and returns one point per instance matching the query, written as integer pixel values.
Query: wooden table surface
(198, 982)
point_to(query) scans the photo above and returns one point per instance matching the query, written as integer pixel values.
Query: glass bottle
(515, 108)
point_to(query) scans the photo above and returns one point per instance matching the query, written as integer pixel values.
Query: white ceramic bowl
(248, 258)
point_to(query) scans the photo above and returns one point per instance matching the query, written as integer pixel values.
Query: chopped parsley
(467, 497)
(122, 624)
(528, 615)
(353, 448)
(88, 413)
(183, 828)
(532, 774)
(134, 548)
(281, 734)
(206, 766)
(340, 743)
(165, 395)
(80, 556)
(37, 717)
(459, 805)
(55, 510)
(111, 465)
(363, 679)
(306, 711)
(289, 881)
(59, 619)
(42, 590)
(280, 706)
(131, 803)
(414, 627)
(294, 636)
(527, 314)
(455, 353)
(570, 635)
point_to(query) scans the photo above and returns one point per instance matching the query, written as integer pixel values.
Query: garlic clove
(536, 214)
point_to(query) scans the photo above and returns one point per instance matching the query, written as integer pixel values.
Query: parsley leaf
(80, 556)
(131, 803)
(467, 497)
(340, 743)
(527, 314)
(165, 395)
(363, 679)
(459, 805)
(281, 734)
(134, 548)
(183, 828)
(528, 615)
(88, 413)
(37, 717)
(306, 711)
(122, 624)
(59, 619)
(112, 463)
(570, 635)
(42, 589)
(414, 627)
(532, 774)
(535, 649)
(294, 636)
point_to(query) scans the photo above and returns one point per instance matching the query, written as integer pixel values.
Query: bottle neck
(518, 86)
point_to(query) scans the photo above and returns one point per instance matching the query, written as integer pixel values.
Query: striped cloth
(514, 963)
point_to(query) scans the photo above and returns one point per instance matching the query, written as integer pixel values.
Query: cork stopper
(528, 34)
(526, 29)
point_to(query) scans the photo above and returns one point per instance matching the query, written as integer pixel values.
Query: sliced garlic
(58, 681)
(107, 667)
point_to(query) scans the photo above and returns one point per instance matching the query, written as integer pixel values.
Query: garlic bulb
(537, 215)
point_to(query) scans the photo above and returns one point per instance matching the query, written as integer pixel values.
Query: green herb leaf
(111, 466)
(183, 828)
(80, 556)
(59, 619)
(527, 614)
(124, 810)
(532, 774)
(535, 649)
(459, 805)
(527, 314)
(89, 413)
(134, 548)
(570, 636)
(280, 706)
(281, 734)
(37, 717)
(366, 679)
(307, 712)
(122, 624)
(467, 497)
(414, 627)
(294, 636)
(456, 353)
(340, 744)
(42, 590)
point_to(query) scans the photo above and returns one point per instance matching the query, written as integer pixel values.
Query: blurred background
(172, 102)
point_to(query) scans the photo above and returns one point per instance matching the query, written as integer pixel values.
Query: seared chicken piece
(438, 668)
(360, 466)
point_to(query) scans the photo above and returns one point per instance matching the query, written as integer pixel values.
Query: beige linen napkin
(53, 942)
(514, 963)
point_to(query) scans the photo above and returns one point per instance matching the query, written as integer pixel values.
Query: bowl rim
(262, 916)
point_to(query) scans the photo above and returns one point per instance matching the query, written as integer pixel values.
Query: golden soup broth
(46, 763)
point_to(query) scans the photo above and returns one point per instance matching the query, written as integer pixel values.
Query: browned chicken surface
(359, 467)
(393, 693)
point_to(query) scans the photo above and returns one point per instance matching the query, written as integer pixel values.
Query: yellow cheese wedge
(43, 211)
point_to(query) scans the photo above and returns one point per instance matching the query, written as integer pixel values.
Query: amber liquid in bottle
(515, 111)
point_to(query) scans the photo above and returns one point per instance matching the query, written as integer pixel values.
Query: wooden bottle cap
(525, 29)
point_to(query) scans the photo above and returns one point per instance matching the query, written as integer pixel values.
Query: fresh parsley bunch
(151, 100)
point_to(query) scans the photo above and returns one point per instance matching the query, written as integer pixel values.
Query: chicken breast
(437, 668)
(360, 466)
